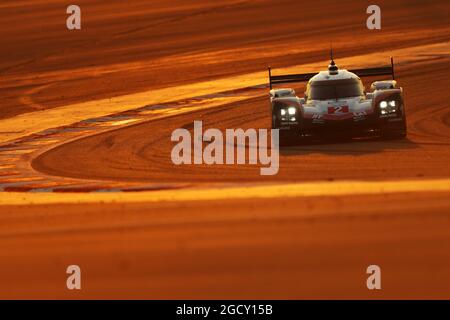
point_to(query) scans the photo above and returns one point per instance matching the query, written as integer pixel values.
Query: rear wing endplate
(366, 72)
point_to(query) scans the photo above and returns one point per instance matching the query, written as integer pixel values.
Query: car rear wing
(381, 71)
(366, 72)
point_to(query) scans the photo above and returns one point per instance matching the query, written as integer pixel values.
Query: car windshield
(335, 89)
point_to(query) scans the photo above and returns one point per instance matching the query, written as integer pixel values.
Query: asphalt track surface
(263, 247)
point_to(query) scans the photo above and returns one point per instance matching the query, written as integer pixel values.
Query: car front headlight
(292, 110)
(383, 104)
(389, 106)
(283, 112)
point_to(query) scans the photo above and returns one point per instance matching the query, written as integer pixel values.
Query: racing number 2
(337, 109)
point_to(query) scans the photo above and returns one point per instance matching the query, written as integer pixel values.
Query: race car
(335, 102)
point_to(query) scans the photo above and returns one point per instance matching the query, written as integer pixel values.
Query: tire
(394, 132)
(289, 137)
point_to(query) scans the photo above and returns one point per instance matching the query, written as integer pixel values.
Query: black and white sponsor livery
(336, 102)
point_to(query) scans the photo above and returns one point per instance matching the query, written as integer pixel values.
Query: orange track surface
(295, 247)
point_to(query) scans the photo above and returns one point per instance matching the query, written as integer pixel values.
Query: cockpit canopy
(334, 89)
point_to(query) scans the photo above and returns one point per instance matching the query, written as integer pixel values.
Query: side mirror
(302, 100)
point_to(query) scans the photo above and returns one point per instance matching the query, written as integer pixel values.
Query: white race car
(335, 102)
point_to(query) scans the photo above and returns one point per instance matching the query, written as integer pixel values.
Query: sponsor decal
(358, 116)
